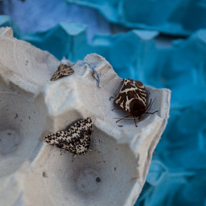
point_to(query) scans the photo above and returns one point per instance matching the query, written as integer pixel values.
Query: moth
(63, 71)
(75, 140)
(132, 98)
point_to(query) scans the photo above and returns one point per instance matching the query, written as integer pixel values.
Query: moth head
(137, 107)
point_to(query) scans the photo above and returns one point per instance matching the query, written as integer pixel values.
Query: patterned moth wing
(132, 97)
(75, 140)
(63, 71)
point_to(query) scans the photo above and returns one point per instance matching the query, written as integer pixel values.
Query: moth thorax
(137, 107)
(139, 83)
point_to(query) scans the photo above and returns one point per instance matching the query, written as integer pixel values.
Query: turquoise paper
(176, 17)
(7, 21)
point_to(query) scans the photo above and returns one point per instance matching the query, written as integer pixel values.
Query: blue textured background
(177, 175)
(177, 17)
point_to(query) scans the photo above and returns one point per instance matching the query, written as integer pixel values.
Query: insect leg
(151, 112)
(135, 122)
(111, 98)
(123, 118)
(116, 109)
(73, 156)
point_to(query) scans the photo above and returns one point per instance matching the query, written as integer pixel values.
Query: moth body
(63, 71)
(132, 97)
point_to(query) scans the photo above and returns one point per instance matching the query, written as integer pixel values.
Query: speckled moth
(63, 71)
(75, 140)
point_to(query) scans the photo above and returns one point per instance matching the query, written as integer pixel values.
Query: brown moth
(63, 71)
(132, 98)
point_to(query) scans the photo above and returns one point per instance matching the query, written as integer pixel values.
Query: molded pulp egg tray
(33, 172)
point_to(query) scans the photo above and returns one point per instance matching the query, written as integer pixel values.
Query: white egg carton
(33, 173)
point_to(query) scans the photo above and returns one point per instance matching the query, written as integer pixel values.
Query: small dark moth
(63, 71)
(75, 140)
(132, 98)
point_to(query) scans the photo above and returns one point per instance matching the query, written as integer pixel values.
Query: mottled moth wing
(130, 91)
(80, 132)
(60, 139)
(76, 139)
(63, 71)
(141, 92)
(56, 76)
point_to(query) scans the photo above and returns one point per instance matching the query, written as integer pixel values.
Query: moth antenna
(149, 106)
(72, 65)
